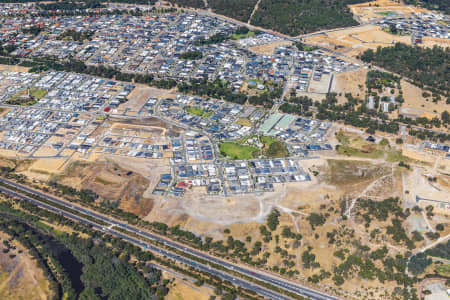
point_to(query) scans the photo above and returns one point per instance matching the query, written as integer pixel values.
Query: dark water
(73, 269)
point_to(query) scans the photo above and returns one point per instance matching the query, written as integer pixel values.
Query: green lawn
(197, 111)
(236, 150)
(38, 94)
(27, 98)
(235, 36)
(267, 140)
(358, 147)
(239, 152)
(349, 151)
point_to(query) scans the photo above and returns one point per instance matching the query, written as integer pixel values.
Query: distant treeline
(426, 67)
(294, 17)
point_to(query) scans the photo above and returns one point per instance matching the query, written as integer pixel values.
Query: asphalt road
(276, 281)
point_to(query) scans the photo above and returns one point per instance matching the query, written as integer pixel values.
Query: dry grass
(185, 290)
(20, 277)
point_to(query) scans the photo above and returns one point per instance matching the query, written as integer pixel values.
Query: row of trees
(217, 89)
(77, 36)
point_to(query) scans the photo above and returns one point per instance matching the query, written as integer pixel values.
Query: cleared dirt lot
(354, 41)
(414, 99)
(353, 82)
(13, 68)
(372, 10)
(115, 183)
(171, 130)
(268, 49)
(137, 99)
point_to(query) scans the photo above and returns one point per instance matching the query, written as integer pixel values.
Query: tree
(393, 28)
(445, 117)
(272, 219)
(440, 227)
(316, 220)
(418, 263)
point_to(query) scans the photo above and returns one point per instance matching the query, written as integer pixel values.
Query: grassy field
(267, 140)
(443, 270)
(273, 148)
(244, 122)
(27, 98)
(357, 146)
(197, 111)
(242, 36)
(236, 151)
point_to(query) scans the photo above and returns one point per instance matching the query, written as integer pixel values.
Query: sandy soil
(414, 99)
(172, 131)
(112, 182)
(353, 41)
(370, 10)
(320, 86)
(45, 168)
(181, 289)
(328, 42)
(431, 41)
(137, 130)
(13, 68)
(138, 97)
(350, 82)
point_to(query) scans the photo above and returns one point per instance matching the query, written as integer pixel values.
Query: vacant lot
(197, 111)
(352, 82)
(116, 185)
(267, 49)
(357, 146)
(343, 172)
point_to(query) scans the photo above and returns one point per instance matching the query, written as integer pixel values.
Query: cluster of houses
(12, 83)
(261, 175)
(231, 177)
(442, 148)
(26, 129)
(15, 9)
(217, 118)
(155, 44)
(56, 115)
(420, 25)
